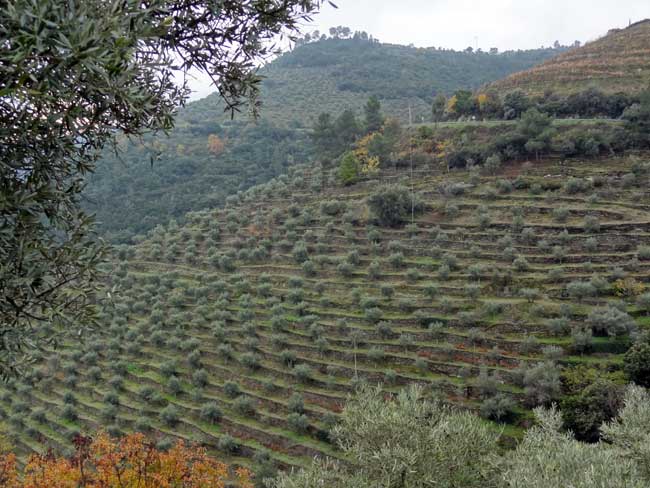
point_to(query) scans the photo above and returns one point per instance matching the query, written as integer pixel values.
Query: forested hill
(335, 74)
(196, 167)
(208, 156)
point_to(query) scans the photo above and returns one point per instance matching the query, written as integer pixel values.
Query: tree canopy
(73, 75)
(413, 442)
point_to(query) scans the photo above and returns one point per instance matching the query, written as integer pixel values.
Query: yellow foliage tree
(130, 462)
(215, 145)
(628, 287)
(482, 100)
(368, 164)
(443, 149)
(451, 104)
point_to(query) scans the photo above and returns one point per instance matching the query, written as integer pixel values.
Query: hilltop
(617, 62)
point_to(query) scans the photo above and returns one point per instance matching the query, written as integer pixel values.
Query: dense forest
(197, 166)
(334, 74)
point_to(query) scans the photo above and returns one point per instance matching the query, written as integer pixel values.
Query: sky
(457, 24)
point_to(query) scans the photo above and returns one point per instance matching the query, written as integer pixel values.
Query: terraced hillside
(617, 62)
(246, 329)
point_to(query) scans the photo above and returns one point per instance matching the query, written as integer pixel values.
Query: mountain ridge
(337, 74)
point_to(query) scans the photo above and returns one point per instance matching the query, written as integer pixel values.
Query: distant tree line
(535, 135)
(361, 147)
(589, 103)
(339, 32)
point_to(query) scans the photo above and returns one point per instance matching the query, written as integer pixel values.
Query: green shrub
(584, 413)
(112, 398)
(168, 368)
(231, 389)
(174, 386)
(542, 384)
(200, 378)
(391, 204)
(421, 365)
(636, 362)
(376, 354)
(349, 168)
(345, 269)
(560, 214)
(298, 422)
(611, 321)
(250, 360)
(580, 290)
(296, 403)
(499, 407)
(69, 413)
(39, 415)
(302, 372)
(227, 444)
(244, 405)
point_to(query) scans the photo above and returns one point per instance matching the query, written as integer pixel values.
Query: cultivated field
(247, 328)
(617, 62)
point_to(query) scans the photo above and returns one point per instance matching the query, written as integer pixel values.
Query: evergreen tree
(536, 128)
(324, 136)
(349, 168)
(347, 130)
(374, 118)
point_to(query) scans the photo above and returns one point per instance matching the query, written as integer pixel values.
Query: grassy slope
(617, 62)
(173, 272)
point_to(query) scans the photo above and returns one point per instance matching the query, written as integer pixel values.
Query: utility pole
(411, 160)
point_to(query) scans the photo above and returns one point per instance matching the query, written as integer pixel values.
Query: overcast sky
(457, 24)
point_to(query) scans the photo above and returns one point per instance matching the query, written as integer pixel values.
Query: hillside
(617, 62)
(246, 328)
(335, 74)
(129, 195)
(197, 166)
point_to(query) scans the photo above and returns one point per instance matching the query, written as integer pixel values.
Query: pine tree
(347, 130)
(374, 118)
(349, 168)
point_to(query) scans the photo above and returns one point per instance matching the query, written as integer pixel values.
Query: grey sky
(457, 24)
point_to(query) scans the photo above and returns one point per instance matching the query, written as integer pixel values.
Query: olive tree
(407, 442)
(82, 76)
(549, 456)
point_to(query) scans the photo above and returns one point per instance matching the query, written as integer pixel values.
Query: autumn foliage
(215, 144)
(130, 462)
